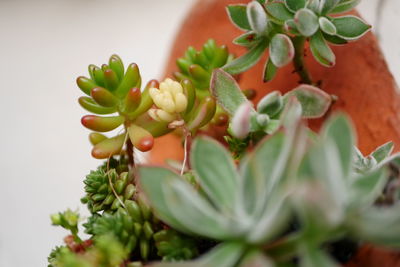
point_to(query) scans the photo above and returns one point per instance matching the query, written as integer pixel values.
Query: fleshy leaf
(350, 27)
(341, 131)
(383, 151)
(103, 97)
(179, 204)
(247, 60)
(367, 188)
(257, 17)
(327, 26)
(131, 79)
(227, 92)
(238, 16)
(101, 124)
(140, 138)
(344, 6)
(321, 51)
(327, 5)
(247, 39)
(216, 172)
(91, 106)
(334, 39)
(241, 121)
(378, 226)
(306, 21)
(108, 147)
(281, 50)
(295, 5)
(314, 102)
(270, 104)
(278, 12)
(269, 71)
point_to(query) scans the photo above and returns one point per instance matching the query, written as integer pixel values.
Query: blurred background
(44, 46)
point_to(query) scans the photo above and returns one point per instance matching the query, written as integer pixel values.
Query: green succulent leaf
(180, 205)
(227, 92)
(383, 152)
(281, 50)
(367, 188)
(334, 39)
(255, 258)
(238, 16)
(291, 27)
(378, 225)
(216, 172)
(278, 12)
(340, 130)
(326, 6)
(327, 26)
(247, 39)
(350, 27)
(257, 17)
(344, 6)
(90, 105)
(269, 71)
(321, 51)
(271, 104)
(306, 21)
(248, 60)
(314, 102)
(315, 257)
(294, 5)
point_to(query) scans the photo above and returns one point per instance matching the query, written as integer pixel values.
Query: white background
(44, 46)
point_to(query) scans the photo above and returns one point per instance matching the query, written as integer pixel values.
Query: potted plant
(267, 190)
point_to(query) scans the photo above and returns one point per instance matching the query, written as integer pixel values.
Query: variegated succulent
(283, 27)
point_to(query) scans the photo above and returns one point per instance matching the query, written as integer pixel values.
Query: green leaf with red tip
(140, 138)
(238, 16)
(102, 124)
(321, 51)
(278, 12)
(146, 101)
(350, 27)
(248, 60)
(269, 71)
(281, 50)
(203, 113)
(247, 39)
(306, 22)
(227, 92)
(104, 97)
(117, 66)
(91, 106)
(108, 147)
(111, 80)
(131, 79)
(85, 84)
(96, 138)
(132, 100)
(314, 102)
(199, 74)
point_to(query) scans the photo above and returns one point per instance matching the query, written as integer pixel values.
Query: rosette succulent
(284, 26)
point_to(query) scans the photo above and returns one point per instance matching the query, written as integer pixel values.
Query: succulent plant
(173, 246)
(284, 26)
(266, 118)
(107, 190)
(68, 220)
(287, 175)
(197, 66)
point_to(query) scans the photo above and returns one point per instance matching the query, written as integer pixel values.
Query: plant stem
(129, 151)
(298, 60)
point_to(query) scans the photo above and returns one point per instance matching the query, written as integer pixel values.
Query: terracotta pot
(361, 79)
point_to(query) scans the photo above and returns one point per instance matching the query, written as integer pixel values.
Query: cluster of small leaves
(68, 220)
(283, 26)
(287, 175)
(106, 190)
(197, 66)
